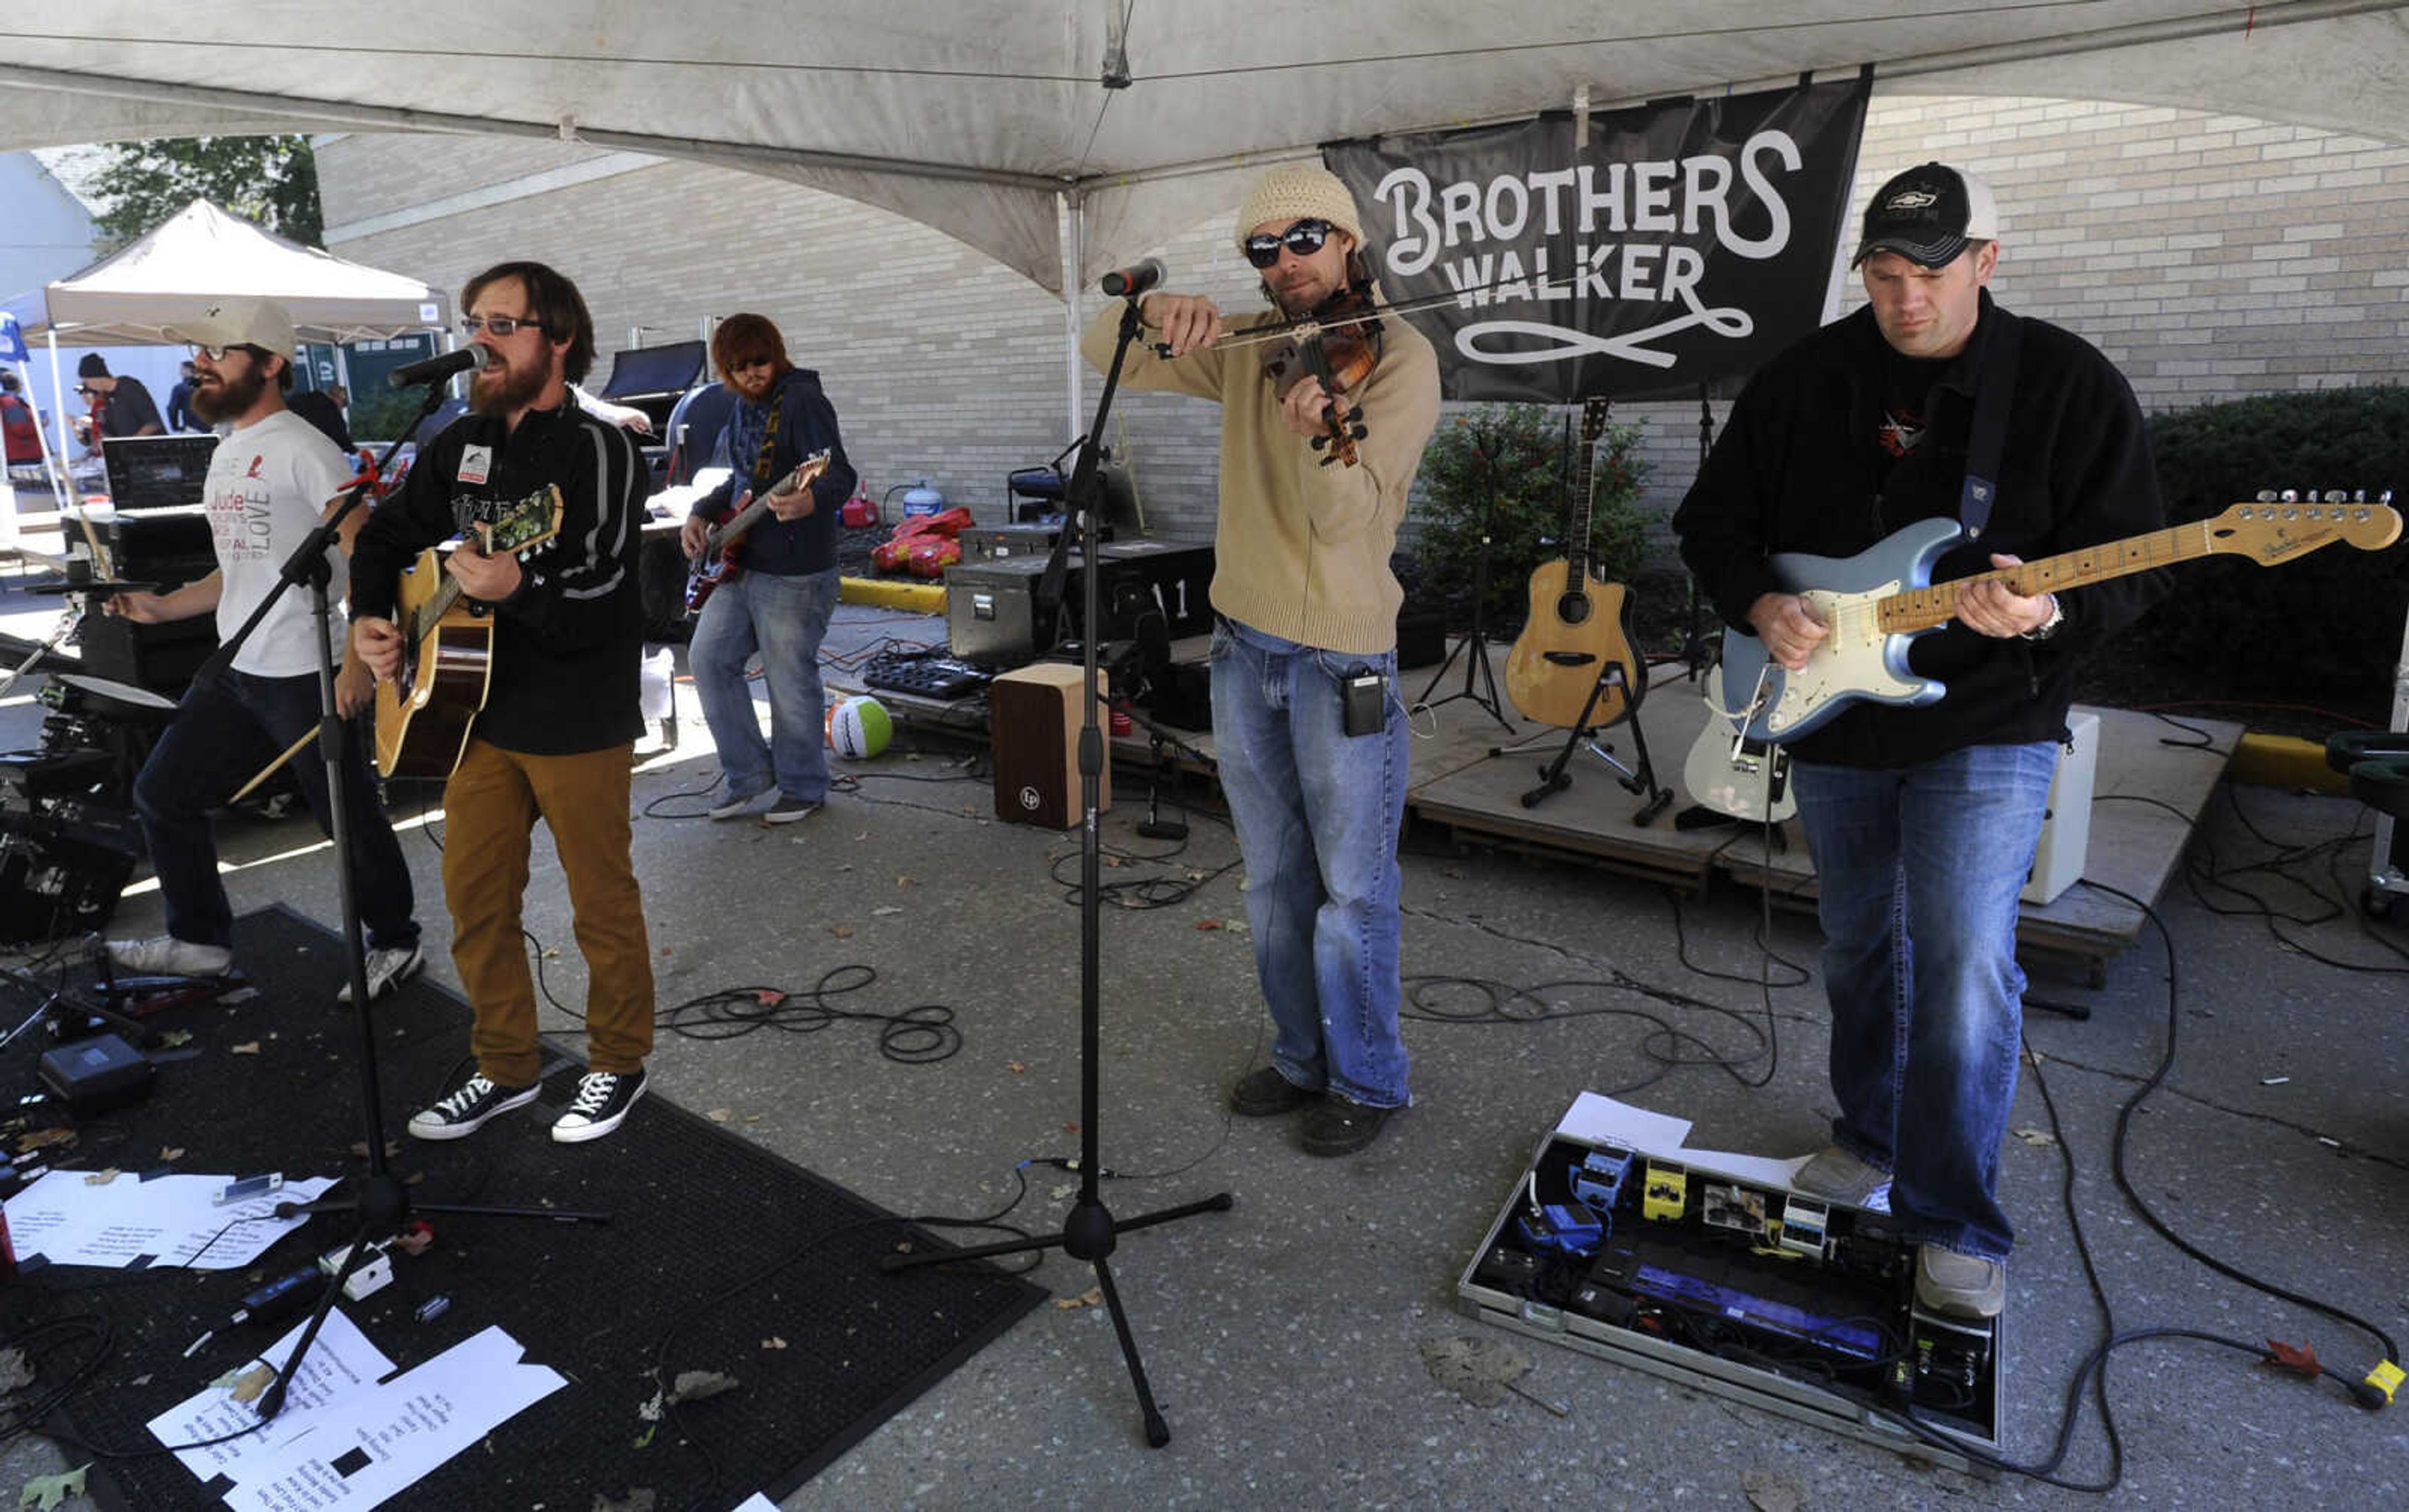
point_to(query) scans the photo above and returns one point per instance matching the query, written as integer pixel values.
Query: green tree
(269, 180)
(1518, 449)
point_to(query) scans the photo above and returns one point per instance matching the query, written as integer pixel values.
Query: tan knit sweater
(1300, 551)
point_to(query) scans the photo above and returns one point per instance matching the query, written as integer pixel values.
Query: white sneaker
(166, 955)
(387, 971)
(1835, 1172)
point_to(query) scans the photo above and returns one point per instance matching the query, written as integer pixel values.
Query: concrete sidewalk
(1284, 1337)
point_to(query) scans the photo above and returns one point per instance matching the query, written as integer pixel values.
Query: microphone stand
(1089, 1232)
(383, 1203)
(1485, 445)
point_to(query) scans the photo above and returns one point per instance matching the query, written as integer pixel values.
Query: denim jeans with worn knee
(1918, 869)
(784, 618)
(1316, 812)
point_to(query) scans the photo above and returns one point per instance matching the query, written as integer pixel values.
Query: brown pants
(490, 809)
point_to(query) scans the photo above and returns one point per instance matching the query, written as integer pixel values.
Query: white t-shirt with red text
(267, 484)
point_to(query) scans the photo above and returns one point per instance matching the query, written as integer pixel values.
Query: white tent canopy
(973, 116)
(202, 255)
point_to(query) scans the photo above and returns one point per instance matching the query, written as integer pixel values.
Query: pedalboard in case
(1752, 1292)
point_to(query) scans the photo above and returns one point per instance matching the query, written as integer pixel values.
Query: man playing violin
(1307, 716)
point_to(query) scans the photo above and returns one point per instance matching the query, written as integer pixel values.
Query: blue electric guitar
(1878, 601)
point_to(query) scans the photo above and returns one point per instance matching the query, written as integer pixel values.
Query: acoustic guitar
(1577, 626)
(1877, 602)
(722, 548)
(424, 712)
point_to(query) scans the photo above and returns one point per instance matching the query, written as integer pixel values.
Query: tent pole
(61, 485)
(1075, 257)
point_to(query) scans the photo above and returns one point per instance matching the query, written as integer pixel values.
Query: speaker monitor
(1034, 720)
(2065, 825)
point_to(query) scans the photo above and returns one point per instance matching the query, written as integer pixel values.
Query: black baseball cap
(1928, 215)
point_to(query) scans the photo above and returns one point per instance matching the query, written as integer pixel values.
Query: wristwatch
(2048, 626)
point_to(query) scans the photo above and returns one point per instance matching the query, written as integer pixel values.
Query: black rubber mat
(719, 1257)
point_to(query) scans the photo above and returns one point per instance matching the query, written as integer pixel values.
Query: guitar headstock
(530, 522)
(2274, 528)
(1593, 421)
(805, 472)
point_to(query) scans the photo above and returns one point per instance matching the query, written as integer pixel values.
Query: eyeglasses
(219, 354)
(87, 389)
(1304, 238)
(501, 326)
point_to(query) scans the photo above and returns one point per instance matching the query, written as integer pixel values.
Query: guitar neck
(1921, 608)
(733, 531)
(437, 605)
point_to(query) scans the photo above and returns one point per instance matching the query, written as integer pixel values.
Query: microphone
(1129, 282)
(470, 358)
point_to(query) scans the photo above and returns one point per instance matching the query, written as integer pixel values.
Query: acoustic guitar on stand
(726, 543)
(1578, 626)
(1878, 601)
(424, 712)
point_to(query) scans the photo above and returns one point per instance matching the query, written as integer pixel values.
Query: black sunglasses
(1304, 238)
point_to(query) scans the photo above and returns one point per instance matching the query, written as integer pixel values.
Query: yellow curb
(2287, 762)
(917, 597)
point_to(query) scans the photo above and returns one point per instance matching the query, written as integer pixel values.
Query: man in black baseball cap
(1931, 403)
(1928, 215)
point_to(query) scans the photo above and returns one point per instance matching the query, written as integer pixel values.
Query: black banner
(1688, 243)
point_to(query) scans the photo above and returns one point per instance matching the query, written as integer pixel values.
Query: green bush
(380, 417)
(1527, 444)
(2325, 625)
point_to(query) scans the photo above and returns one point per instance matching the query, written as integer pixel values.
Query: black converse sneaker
(467, 1110)
(603, 1099)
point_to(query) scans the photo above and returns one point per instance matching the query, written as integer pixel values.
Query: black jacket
(568, 642)
(1799, 468)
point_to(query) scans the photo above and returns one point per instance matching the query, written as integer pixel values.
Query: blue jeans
(221, 735)
(1919, 869)
(1316, 813)
(784, 618)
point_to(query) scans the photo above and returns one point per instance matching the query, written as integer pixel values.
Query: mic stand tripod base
(1088, 1233)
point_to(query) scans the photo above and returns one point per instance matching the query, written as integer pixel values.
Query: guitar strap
(2001, 354)
(768, 455)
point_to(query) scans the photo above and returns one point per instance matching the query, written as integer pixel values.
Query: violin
(1339, 343)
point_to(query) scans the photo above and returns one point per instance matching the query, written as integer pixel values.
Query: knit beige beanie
(1295, 190)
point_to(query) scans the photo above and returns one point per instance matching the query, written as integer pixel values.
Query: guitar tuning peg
(2337, 496)
(2266, 495)
(2359, 497)
(2290, 496)
(2385, 498)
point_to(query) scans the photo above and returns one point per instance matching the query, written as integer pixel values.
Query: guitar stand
(1554, 779)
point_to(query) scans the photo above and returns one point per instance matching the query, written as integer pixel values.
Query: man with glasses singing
(1307, 715)
(561, 711)
(778, 602)
(270, 481)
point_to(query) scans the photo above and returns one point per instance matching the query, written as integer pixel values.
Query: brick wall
(2210, 256)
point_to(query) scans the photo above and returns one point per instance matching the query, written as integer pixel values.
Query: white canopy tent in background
(980, 118)
(203, 253)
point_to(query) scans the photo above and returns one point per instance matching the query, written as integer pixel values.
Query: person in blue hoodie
(779, 600)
